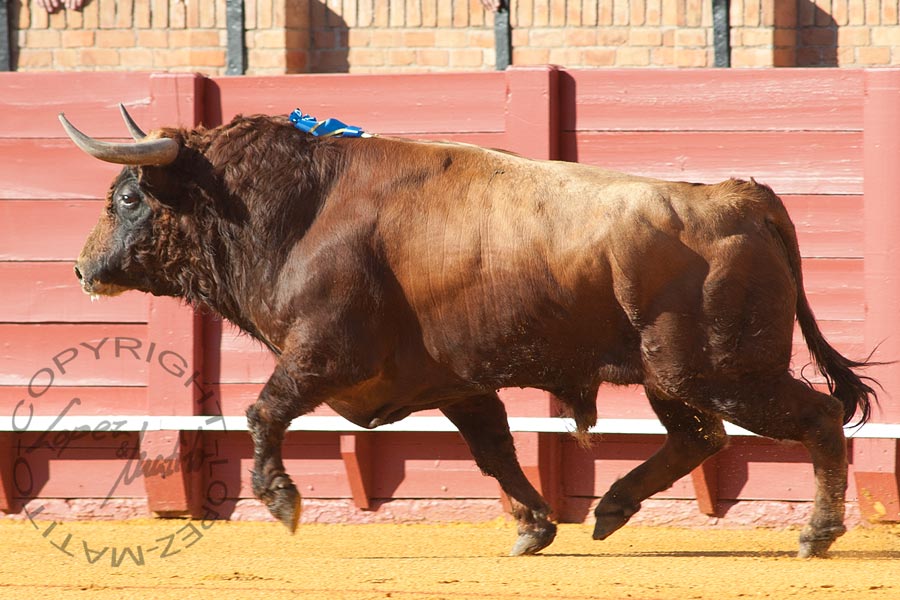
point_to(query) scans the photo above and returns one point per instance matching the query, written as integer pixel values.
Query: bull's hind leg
(693, 436)
(796, 412)
(482, 422)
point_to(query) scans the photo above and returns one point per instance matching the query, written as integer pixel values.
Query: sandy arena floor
(422, 562)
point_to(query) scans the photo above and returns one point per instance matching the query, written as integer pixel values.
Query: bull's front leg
(283, 398)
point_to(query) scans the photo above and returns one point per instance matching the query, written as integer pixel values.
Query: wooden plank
(828, 226)
(27, 354)
(51, 169)
(357, 452)
(60, 472)
(64, 225)
(835, 288)
(760, 469)
(389, 104)
(711, 100)
(58, 401)
(801, 162)
(29, 102)
(41, 292)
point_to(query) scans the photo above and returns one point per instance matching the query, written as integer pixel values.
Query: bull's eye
(128, 200)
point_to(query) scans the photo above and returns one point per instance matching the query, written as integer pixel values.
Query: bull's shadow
(805, 35)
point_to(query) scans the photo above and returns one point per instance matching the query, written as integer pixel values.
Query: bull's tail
(845, 385)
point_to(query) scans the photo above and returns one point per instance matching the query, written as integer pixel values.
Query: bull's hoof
(816, 544)
(611, 516)
(814, 549)
(533, 541)
(285, 504)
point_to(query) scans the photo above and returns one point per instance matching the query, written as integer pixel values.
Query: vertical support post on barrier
(532, 111)
(875, 461)
(172, 478)
(7, 472)
(356, 452)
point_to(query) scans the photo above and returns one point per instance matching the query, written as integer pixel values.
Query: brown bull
(391, 276)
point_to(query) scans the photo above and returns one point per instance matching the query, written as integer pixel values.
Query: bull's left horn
(136, 132)
(158, 152)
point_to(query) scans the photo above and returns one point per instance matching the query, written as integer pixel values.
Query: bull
(390, 276)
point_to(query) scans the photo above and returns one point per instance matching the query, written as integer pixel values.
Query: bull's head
(115, 254)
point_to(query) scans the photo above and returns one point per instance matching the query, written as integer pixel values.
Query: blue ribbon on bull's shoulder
(327, 128)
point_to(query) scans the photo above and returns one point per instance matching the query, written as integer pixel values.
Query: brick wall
(294, 36)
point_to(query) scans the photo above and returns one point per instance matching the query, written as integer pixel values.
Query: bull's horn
(158, 152)
(136, 132)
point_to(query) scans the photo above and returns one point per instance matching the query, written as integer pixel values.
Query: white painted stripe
(410, 424)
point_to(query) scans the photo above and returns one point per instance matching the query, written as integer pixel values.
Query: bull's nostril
(78, 274)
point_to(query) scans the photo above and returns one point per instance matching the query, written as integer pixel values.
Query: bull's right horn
(158, 152)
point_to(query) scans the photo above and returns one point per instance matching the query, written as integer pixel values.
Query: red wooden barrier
(824, 139)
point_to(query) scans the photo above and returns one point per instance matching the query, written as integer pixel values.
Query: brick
(839, 10)
(784, 57)
(580, 36)
(856, 12)
(662, 56)
(566, 56)
(691, 37)
(547, 38)
(541, 14)
(42, 38)
(76, 38)
(691, 57)
(198, 38)
(873, 14)
(209, 57)
(153, 38)
(483, 39)
(886, 36)
(873, 56)
(757, 36)
(383, 38)
(653, 12)
(605, 13)
(818, 36)
(846, 57)
(67, 58)
(889, 11)
(107, 13)
(444, 13)
(632, 57)
(599, 57)
(142, 19)
(297, 40)
(420, 39)
(57, 20)
(366, 56)
(136, 58)
(784, 38)
(620, 12)
(428, 12)
(74, 19)
(751, 57)
(297, 61)
(401, 58)
(264, 38)
(767, 12)
(115, 38)
(589, 14)
(460, 14)
(557, 13)
(99, 57)
(645, 37)
(854, 36)
(124, 13)
(264, 15)
(612, 37)
(638, 13)
(159, 15)
(33, 59)
(178, 15)
(359, 37)
(433, 57)
(452, 38)
(530, 56)
(693, 13)
(266, 59)
(573, 14)
(464, 57)
(519, 37)
(785, 14)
